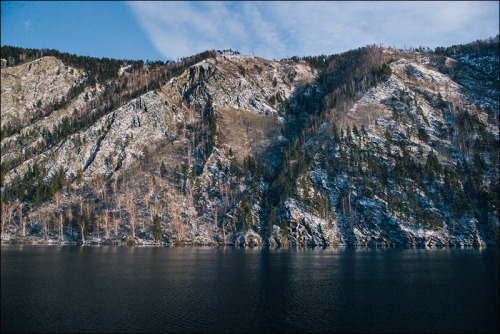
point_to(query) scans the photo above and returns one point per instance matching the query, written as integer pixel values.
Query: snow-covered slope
(228, 152)
(423, 112)
(27, 87)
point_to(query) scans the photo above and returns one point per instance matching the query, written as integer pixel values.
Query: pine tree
(163, 169)
(271, 220)
(157, 230)
(284, 227)
(177, 174)
(79, 176)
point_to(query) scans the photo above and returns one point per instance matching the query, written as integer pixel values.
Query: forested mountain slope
(370, 147)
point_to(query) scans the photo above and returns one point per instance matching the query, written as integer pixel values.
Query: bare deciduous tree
(69, 216)
(116, 221)
(155, 207)
(105, 218)
(6, 214)
(119, 206)
(81, 225)
(57, 199)
(131, 208)
(61, 223)
(173, 208)
(101, 187)
(22, 222)
(114, 183)
(80, 202)
(40, 217)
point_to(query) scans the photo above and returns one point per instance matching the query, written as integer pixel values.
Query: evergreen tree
(284, 227)
(157, 230)
(163, 169)
(79, 176)
(271, 220)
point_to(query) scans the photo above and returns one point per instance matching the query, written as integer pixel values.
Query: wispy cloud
(27, 25)
(280, 29)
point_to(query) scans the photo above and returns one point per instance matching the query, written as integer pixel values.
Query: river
(229, 289)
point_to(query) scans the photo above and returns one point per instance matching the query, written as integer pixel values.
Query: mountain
(374, 146)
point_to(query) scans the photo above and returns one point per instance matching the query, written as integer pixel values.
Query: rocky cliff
(371, 147)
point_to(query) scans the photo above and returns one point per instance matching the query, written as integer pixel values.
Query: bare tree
(224, 223)
(216, 210)
(61, 223)
(49, 219)
(89, 209)
(69, 216)
(176, 221)
(189, 153)
(40, 218)
(101, 187)
(22, 222)
(105, 218)
(216, 223)
(150, 192)
(80, 202)
(119, 200)
(81, 225)
(131, 208)
(155, 207)
(146, 200)
(115, 222)
(183, 130)
(28, 219)
(57, 199)
(5, 215)
(114, 183)
(226, 194)
(11, 211)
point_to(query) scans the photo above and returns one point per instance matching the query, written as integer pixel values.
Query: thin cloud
(27, 25)
(281, 29)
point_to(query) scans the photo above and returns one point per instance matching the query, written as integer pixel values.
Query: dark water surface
(121, 289)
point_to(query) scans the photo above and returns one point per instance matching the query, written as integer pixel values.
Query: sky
(274, 30)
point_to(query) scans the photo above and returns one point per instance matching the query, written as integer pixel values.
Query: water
(121, 289)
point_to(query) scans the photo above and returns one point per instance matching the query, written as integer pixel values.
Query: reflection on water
(125, 289)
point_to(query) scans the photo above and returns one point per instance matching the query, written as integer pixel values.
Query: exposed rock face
(151, 117)
(41, 81)
(214, 150)
(238, 82)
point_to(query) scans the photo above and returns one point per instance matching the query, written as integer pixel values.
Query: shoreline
(191, 244)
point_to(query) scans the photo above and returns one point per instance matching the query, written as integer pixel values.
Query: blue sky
(170, 30)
